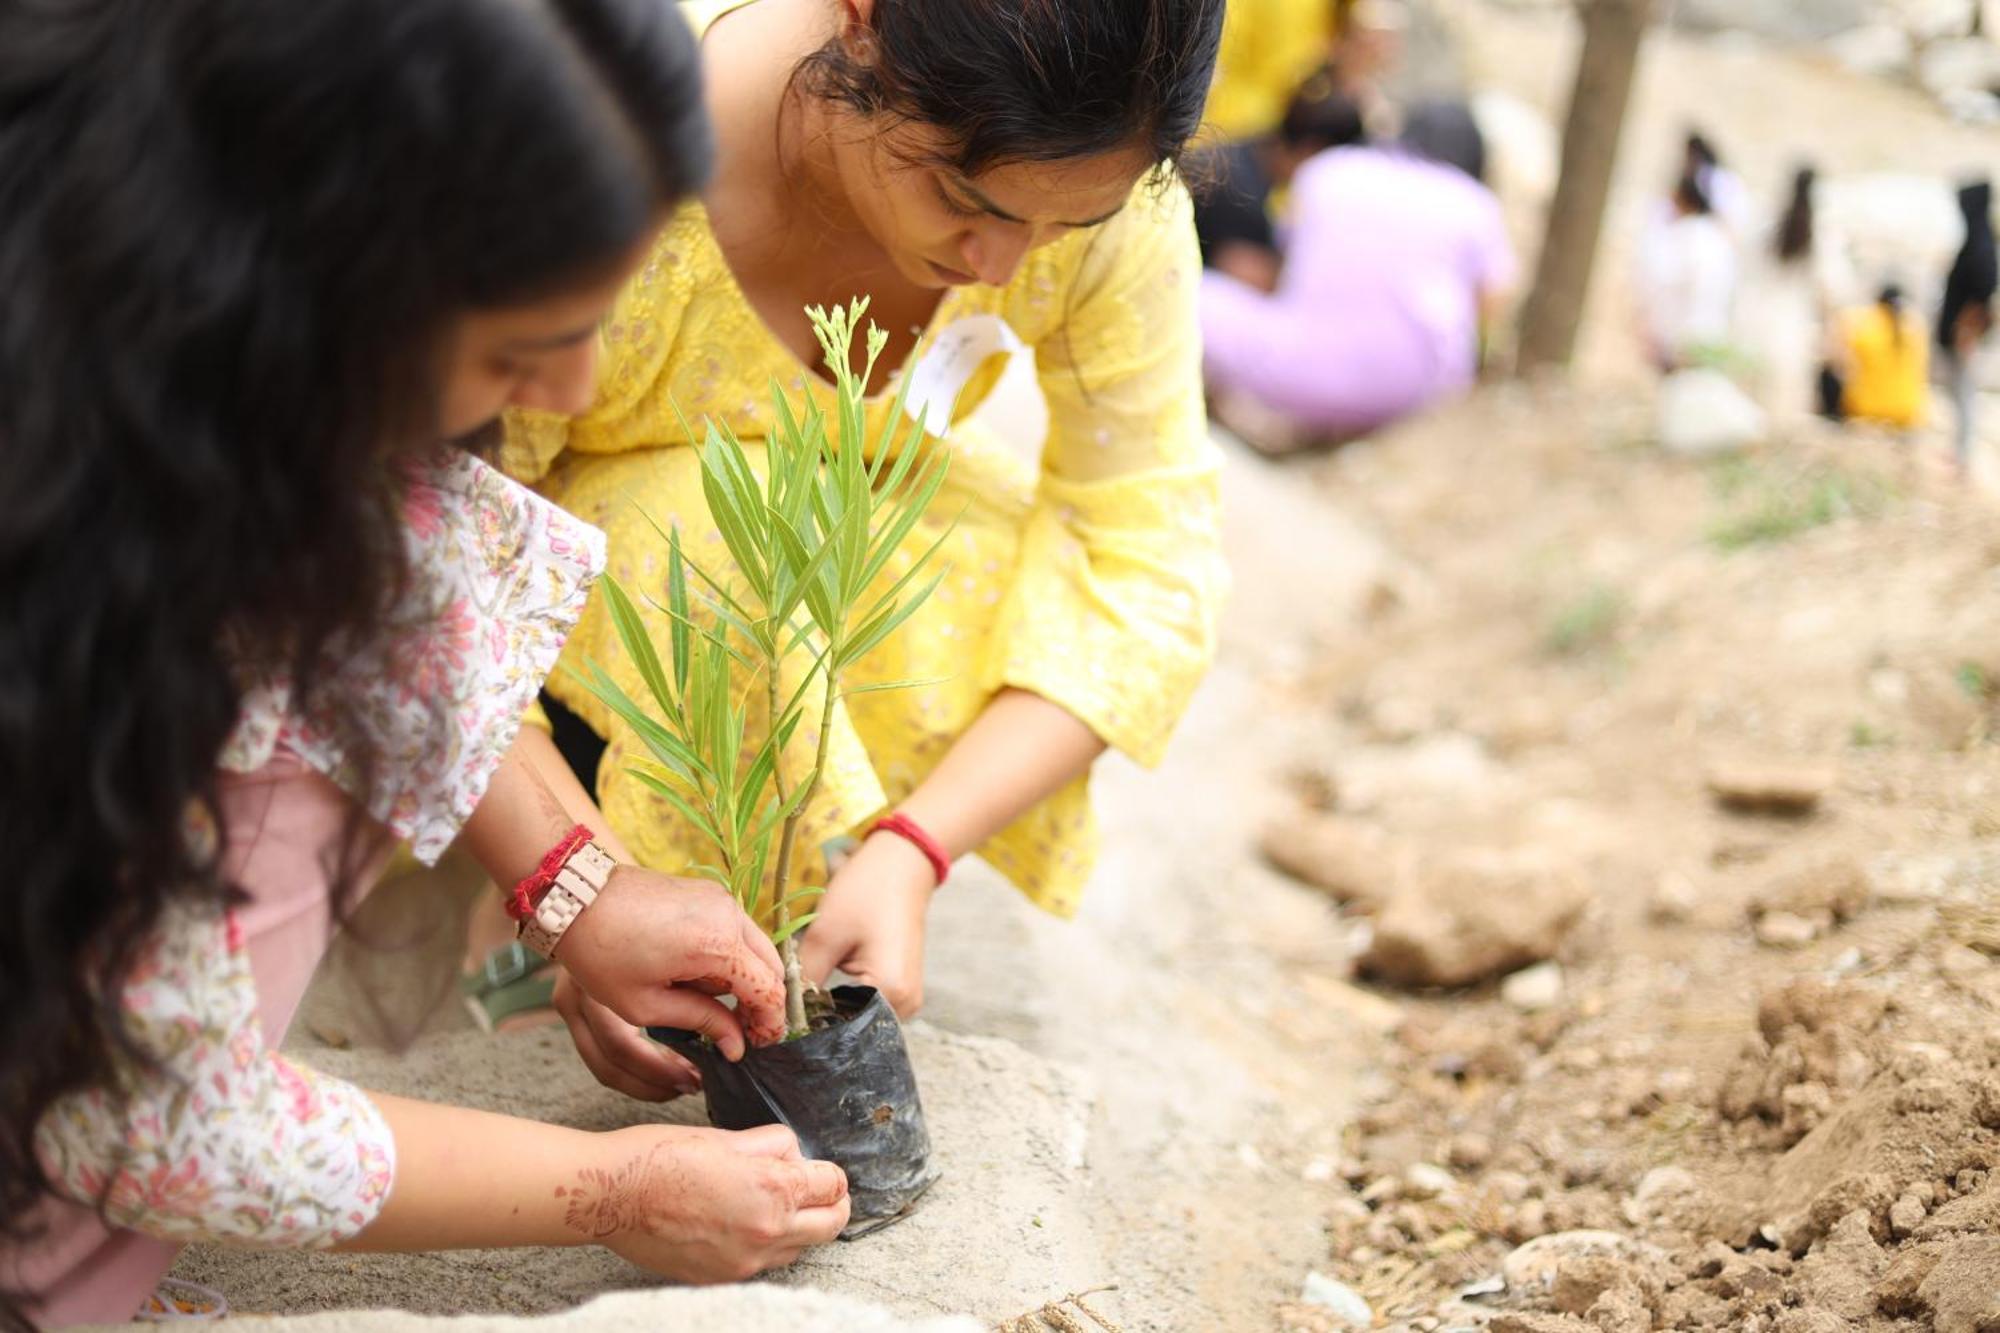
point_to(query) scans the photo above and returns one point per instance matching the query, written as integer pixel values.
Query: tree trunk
(1612, 33)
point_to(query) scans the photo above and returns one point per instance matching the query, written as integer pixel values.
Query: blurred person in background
(1884, 362)
(1727, 197)
(1392, 266)
(1687, 281)
(1966, 317)
(1239, 183)
(1270, 48)
(1792, 290)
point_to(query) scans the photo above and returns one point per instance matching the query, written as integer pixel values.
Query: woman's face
(541, 355)
(941, 228)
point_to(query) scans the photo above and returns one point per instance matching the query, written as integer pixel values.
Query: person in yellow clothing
(999, 181)
(1885, 352)
(1270, 48)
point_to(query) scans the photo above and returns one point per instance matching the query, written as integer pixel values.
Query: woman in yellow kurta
(993, 185)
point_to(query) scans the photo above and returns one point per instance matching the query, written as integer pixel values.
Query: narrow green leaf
(701, 821)
(883, 626)
(637, 643)
(677, 607)
(913, 683)
(792, 927)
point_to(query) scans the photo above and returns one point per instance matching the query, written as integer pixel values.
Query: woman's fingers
(681, 1007)
(762, 949)
(640, 1056)
(607, 1071)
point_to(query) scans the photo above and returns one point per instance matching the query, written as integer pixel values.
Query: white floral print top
(225, 1139)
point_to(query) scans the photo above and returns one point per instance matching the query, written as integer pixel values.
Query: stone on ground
(1476, 917)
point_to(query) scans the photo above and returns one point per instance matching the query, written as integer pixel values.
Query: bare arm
(1021, 750)
(693, 1204)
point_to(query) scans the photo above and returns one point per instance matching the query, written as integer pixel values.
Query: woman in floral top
(260, 259)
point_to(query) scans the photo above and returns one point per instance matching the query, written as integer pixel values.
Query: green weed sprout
(811, 541)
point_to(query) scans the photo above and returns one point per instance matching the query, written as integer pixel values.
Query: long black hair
(1794, 240)
(1010, 81)
(234, 237)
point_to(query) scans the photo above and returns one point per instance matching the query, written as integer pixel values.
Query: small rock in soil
(1676, 899)
(1621, 1310)
(1532, 1268)
(1907, 1213)
(1843, 1268)
(1788, 930)
(1425, 1181)
(1658, 1192)
(1836, 888)
(1897, 1291)
(1962, 1293)
(1771, 788)
(1534, 989)
(1469, 1152)
(1354, 863)
(1476, 917)
(1344, 1301)
(1582, 1278)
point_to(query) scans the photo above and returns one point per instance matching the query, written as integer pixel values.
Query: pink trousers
(280, 824)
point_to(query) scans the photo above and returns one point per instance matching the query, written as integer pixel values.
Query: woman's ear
(857, 29)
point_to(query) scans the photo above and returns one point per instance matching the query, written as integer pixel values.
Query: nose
(566, 381)
(992, 253)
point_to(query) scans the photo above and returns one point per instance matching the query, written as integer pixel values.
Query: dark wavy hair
(1794, 238)
(234, 238)
(1011, 81)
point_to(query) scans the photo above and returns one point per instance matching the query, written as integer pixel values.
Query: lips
(953, 276)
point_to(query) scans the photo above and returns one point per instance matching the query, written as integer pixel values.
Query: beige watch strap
(577, 885)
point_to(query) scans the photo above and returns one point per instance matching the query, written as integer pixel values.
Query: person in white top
(1687, 281)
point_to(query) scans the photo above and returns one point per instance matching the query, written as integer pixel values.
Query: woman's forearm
(698, 1205)
(531, 802)
(469, 1179)
(1019, 752)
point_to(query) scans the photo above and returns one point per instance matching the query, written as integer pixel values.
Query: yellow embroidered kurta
(1091, 576)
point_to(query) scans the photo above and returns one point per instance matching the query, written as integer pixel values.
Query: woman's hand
(656, 951)
(707, 1205)
(871, 922)
(620, 1054)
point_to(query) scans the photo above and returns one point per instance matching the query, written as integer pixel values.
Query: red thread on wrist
(528, 894)
(910, 831)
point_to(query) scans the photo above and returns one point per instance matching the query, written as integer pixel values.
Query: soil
(1586, 661)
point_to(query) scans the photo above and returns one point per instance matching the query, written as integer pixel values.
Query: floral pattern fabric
(498, 578)
(224, 1138)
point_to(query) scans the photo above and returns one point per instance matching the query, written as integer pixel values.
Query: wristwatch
(576, 887)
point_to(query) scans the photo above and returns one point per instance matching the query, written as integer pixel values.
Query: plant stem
(795, 986)
(795, 991)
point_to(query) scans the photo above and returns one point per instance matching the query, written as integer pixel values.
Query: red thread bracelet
(910, 831)
(528, 894)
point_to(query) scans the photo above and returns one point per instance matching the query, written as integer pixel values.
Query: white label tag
(960, 348)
